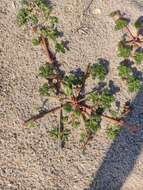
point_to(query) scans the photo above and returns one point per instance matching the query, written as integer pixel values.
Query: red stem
(45, 45)
(86, 142)
(121, 123)
(42, 114)
(129, 31)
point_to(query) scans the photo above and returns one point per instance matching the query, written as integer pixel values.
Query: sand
(29, 158)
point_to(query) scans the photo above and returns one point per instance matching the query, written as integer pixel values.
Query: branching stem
(45, 45)
(130, 33)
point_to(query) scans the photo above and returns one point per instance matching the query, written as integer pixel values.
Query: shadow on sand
(123, 153)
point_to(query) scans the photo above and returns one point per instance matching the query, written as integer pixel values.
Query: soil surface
(29, 158)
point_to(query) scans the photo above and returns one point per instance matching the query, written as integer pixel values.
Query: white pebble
(13, 5)
(96, 11)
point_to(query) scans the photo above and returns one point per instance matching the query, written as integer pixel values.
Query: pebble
(13, 5)
(96, 11)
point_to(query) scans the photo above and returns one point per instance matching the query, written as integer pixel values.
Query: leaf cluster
(36, 14)
(56, 134)
(113, 131)
(126, 73)
(131, 44)
(75, 108)
(121, 23)
(102, 99)
(48, 72)
(70, 82)
(98, 71)
(130, 49)
(79, 109)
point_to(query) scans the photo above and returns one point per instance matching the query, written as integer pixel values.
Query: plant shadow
(123, 153)
(136, 73)
(49, 2)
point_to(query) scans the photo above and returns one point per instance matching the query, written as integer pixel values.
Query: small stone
(13, 5)
(96, 11)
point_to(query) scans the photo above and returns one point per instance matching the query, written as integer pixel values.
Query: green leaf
(139, 24)
(69, 82)
(52, 34)
(54, 133)
(98, 71)
(40, 2)
(124, 50)
(22, 16)
(121, 23)
(113, 131)
(68, 108)
(46, 9)
(31, 125)
(75, 124)
(134, 84)
(94, 97)
(73, 80)
(93, 123)
(138, 57)
(46, 70)
(44, 90)
(114, 114)
(53, 20)
(60, 47)
(34, 19)
(44, 32)
(35, 41)
(124, 71)
(67, 89)
(65, 135)
(65, 119)
(77, 113)
(83, 136)
(106, 99)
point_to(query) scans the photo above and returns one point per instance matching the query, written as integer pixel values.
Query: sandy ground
(29, 158)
